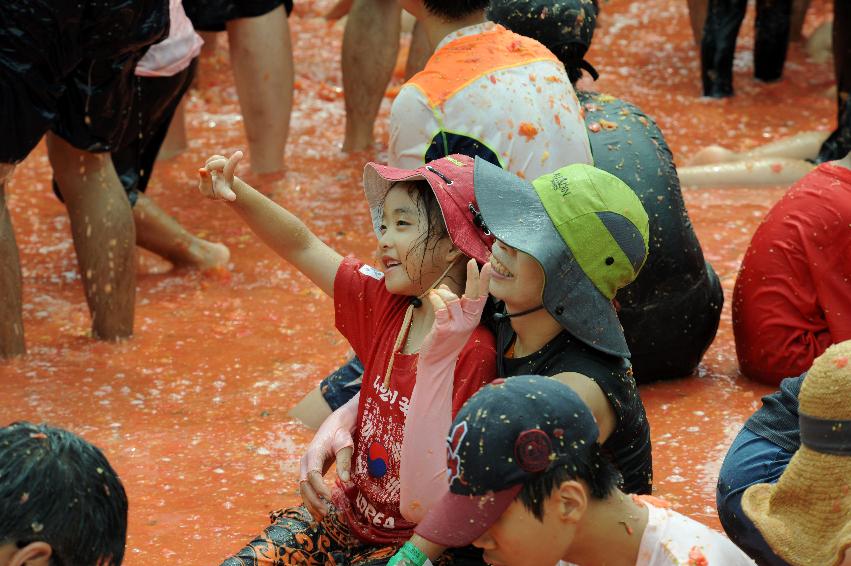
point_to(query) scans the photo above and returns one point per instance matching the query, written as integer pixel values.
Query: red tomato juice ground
(192, 411)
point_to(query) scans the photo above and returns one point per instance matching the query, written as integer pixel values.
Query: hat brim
(791, 514)
(515, 215)
(377, 180)
(458, 520)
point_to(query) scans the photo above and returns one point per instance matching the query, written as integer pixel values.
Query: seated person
(528, 484)
(489, 108)
(61, 503)
(792, 298)
(427, 235)
(670, 313)
(765, 505)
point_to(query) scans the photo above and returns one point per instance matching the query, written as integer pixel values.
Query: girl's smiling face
(414, 247)
(517, 278)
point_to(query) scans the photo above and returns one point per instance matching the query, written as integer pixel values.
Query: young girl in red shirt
(426, 222)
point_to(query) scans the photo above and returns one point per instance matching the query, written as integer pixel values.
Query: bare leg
(799, 14)
(104, 235)
(262, 63)
(419, 53)
(312, 410)
(175, 140)
(760, 172)
(11, 314)
(370, 47)
(697, 16)
(158, 232)
(800, 146)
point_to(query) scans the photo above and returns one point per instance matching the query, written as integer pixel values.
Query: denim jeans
(339, 387)
(751, 459)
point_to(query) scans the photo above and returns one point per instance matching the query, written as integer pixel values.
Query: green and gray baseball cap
(588, 231)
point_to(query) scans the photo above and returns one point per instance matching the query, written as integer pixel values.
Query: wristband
(408, 555)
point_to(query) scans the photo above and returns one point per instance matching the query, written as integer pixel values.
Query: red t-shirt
(793, 295)
(370, 318)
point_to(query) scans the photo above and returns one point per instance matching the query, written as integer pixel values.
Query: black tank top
(628, 447)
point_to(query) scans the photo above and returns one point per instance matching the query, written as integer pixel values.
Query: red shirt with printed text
(370, 318)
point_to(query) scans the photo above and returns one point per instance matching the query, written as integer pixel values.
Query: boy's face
(410, 263)
(518, 538)
(517, 278)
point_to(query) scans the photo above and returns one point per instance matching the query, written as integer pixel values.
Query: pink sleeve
(423, 467)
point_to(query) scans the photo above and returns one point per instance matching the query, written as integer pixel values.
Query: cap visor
(458, 520)
(515, 215)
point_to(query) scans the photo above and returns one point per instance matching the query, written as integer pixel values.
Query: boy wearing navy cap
(529, 485)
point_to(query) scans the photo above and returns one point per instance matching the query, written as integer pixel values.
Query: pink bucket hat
(451, 180)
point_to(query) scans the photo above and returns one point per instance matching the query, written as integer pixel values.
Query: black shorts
(67, 66)
(154, 102)
(213, 15)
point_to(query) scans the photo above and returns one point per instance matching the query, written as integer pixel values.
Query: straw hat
(806, 516)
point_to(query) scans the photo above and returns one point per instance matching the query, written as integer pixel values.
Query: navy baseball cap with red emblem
(506, 434)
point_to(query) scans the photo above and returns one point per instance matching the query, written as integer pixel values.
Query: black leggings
(838, 144)
(723, 20)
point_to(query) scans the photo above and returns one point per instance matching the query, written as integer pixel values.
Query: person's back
(792, 297)
(61, 503)
(670, 313)
(487, 92)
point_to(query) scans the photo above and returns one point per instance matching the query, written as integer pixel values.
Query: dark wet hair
(565, 27)
(595, 470)
(451, 10)
(57, 488)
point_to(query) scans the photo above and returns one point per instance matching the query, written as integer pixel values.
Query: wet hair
(450, 10)
(565, 27)
(57, 488)
(594, 469)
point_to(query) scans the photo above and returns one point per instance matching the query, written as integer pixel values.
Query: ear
(33, 554)
(453, 254)
(572, 501)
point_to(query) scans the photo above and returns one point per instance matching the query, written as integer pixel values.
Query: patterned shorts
(294, 538)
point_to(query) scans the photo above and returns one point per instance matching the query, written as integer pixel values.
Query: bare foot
(712, 154)
(206, 255)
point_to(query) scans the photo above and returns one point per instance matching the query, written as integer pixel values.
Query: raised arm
(276, 226)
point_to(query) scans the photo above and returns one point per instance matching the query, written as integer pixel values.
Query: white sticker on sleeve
(370, 271)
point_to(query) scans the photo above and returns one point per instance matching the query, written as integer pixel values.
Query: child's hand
(216, 177)
(454, 318)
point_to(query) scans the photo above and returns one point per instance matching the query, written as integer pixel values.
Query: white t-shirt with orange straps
(490, 92)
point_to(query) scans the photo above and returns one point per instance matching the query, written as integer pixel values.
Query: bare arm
(279, 229)
(590, 392)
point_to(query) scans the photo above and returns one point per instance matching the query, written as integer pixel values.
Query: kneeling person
(525, 467)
